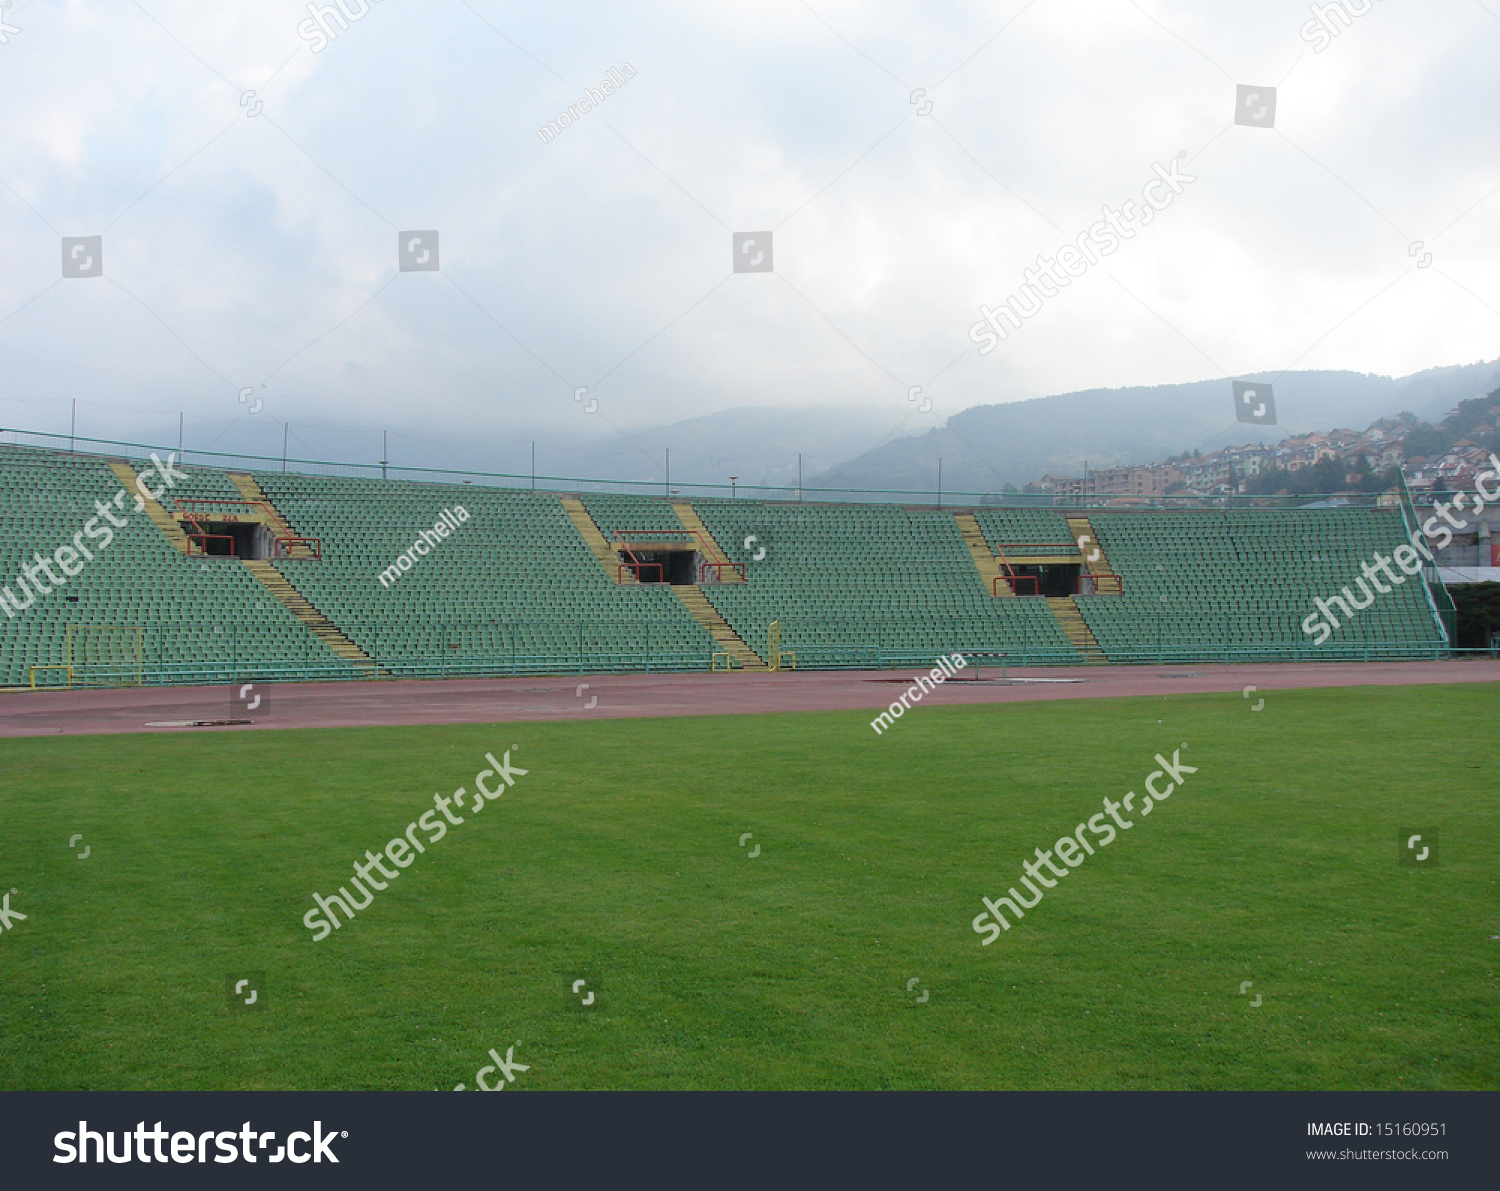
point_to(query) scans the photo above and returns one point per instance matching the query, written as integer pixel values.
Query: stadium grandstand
(281, 575)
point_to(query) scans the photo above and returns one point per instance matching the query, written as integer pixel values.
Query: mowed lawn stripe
(617, 860)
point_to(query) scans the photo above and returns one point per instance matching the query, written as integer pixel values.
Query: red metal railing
(202, 540)
(624, 538)
(1105, 582)
(283, 547)
(718, 569)
(284, 543)
(1011, 577)
(1012, 580)
(654, 535)
(278, 524)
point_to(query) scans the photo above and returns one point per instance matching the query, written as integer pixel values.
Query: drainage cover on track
(197, 723)
(963, 682)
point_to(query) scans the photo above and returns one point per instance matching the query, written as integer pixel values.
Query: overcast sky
(250, 240)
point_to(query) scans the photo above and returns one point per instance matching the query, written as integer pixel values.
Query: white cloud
(598, 260)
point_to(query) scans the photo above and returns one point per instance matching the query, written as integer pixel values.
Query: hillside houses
(1381, 446)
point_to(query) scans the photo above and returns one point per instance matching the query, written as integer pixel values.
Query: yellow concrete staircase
(1076, 629)
(1106, 582)
(245, 484)
(609, 558)
(162, 519)
(707, 615)
(710, 548)
(984, 557)
(299, 606)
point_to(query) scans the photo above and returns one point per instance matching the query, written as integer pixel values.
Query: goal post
(104, 654)
(778, 659)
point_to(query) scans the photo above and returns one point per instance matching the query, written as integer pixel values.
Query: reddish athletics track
(497, 700)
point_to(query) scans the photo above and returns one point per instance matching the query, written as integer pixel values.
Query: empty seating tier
(514, 589)
(201, 620)
(860, 585)
(1025, 532)
(512, 584)
(1218, 584)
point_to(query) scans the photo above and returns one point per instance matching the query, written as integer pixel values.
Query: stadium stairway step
(984, 557)
(1106, 582)
(159, 516)
(1076, 629)
(318, 624)
(608, 557)
(250, 489)
(707, 615)
(711, 548)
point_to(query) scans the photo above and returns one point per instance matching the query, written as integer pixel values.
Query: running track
(564, 697)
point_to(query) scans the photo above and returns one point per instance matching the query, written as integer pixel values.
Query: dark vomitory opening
(1060, 579)
(666, 566)
(223, 539)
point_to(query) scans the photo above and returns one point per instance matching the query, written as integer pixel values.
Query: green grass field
(617, 861)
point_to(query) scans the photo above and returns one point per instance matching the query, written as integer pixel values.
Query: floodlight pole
(940, 484)
(72, 429)
(285, 430)
(799, 477)
(732, 479)
(385, 451)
